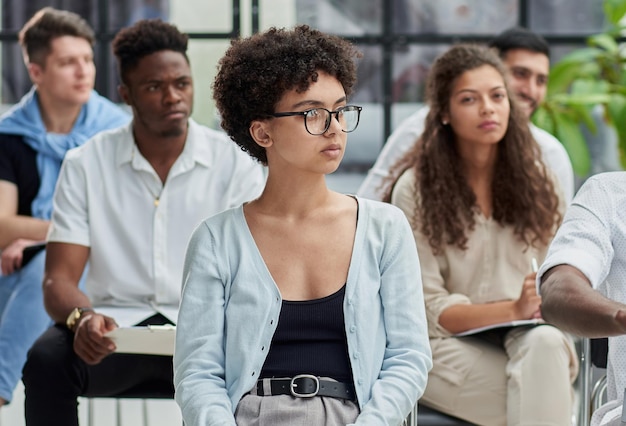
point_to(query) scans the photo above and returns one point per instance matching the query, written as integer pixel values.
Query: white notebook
(516, 323)
(149, 340)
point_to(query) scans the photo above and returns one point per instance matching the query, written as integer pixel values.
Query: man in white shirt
(127, 202)
(527, 56)
(583, 279)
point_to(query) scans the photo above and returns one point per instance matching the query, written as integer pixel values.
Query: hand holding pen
(529, 301)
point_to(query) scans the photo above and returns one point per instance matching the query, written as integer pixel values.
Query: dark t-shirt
(18, 164)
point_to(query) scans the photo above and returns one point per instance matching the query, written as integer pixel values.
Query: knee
(547, 342)
(546, 336)
(49, 357)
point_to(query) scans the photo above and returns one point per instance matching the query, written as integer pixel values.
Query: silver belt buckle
(293, 385)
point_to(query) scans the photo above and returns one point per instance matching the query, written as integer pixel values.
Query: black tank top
(310, 338)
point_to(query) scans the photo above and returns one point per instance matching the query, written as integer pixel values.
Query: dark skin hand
(90, 344)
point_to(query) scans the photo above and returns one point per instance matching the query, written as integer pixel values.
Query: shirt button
(356, 355)
(350, 301)
(262, 348)
(352, 329)
(360, 381)
(253, 373)
(271, 322)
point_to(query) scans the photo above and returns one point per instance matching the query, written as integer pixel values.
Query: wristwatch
(74, 316)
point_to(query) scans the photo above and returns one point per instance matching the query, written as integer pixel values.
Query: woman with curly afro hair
(303, 306)
(483, 210)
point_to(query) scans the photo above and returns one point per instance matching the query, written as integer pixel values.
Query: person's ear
(122, 89)
(260, 133)
(35, 72)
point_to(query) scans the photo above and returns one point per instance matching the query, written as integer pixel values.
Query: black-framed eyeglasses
(317, 120)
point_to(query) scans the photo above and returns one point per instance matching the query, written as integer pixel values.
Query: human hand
(11, 259)
(529, 303)
(90, 344)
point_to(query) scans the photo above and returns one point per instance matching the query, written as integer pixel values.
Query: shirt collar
(196, 149)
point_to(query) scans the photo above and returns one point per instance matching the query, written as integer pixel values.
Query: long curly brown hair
(523, 195)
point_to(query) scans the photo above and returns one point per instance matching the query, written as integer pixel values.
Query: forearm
(65, 264)
(14, 227)
(570, 303)
(60, 298)
(462, 317)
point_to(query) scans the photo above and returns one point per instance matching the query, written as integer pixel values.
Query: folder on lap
(148, 340)
(516, 323)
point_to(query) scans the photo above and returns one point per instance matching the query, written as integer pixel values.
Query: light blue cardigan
(230, 308)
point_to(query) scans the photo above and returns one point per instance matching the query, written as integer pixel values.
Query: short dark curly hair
(144, 38)
(256, 72)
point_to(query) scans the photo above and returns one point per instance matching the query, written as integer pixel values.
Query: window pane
(369, 86)
(15, 80)
(15, 13)
(345, 17)
(203, 55)
(277, 13)
(410, 69)
(122, 13)
(454, 16)
(202, 16)
(572, 17)
(365, 142)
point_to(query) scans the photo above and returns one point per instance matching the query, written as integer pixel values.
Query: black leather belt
(307, 386)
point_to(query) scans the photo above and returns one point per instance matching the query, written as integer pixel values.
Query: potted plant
(588, 78)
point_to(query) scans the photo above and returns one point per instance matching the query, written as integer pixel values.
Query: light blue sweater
(230, 308)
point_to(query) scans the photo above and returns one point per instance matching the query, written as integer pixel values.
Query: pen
(533, 264)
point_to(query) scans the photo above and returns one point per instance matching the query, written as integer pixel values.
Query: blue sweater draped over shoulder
(24, 119)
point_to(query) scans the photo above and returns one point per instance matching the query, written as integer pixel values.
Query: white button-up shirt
(592, 239)
(109, 198)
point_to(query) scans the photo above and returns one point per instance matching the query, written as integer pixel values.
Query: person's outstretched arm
(583, 256)
(570, 303)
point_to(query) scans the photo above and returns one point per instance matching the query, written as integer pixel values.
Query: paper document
(516, 323)
(149, 340)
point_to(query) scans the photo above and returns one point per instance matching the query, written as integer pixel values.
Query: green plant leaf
(568, 132)
(616, 109)
(541, 118)
(582, 55)
(590, 87)
(578, 64)
(619, 90)
(614, 10)
(583, 115)
(584, 78)
(604, 41)
(580, 99)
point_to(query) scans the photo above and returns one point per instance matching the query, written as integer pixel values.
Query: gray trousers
(279, 410)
